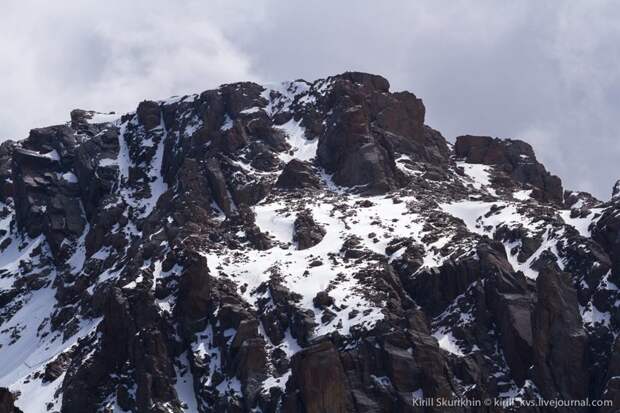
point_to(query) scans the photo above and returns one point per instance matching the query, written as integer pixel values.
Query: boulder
(7, 402)
(512, 305)
(306, 232)
(262, 157)
(322, 299)
(298, 175)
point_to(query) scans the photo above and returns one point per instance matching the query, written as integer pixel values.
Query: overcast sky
(547, 72)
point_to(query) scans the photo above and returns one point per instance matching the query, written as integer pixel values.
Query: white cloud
(106, 56)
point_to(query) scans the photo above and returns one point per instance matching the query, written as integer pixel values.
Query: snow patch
(301, 148)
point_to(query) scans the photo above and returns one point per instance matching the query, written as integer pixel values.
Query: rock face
(7, 401)
(606, 232)
(319, 375)
(615, 192)
(46, 190)
(560, 341)
(373, 126)
(516, 158)
(303, 247)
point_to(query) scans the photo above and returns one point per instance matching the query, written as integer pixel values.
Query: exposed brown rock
(515, 157)
(298, 175)
(306, 232)
(149, 114)
(559, 340)
(320, 378)
(7, 401)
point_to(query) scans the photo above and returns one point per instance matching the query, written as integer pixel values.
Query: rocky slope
(303, 247)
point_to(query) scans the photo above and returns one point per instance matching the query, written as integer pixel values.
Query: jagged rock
(130, 337)
(367, 126)
(96, 181)
(297, 175)
(606, 232)
(195, 287)
(322, 299)
(433, 289)
(513, 156)
(149, 114)
(218, 186)
(56, 368)
(349, 152)
(411, 258)
(615, 192)
(251, 366)
(7, 401)
(80, 117)
(249, 192)
(559, 340)
(279, 313)
(241, 96)
(611, 391)
(319, 377)
(259, 239)
(263, 158)
(580, 200)
(306, 232)
(46, 196)
(370, 81)
(369, 166)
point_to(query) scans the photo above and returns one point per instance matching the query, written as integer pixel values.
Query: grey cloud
(542, 71)
(106, 56)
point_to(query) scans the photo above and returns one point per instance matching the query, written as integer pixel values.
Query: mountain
(301, 247)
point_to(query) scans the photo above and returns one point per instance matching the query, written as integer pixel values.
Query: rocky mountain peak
(308, 246)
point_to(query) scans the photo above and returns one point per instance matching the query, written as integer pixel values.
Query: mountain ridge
(308, 246)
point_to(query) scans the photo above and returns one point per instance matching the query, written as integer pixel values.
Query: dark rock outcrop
(306, 232)
(615, 192)
(367, 127)
(516, 158)
(321, 382)
(606, 232)
(7, 401)
(580, 200)
(559, 340)
(47, 196)
(298, 175)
